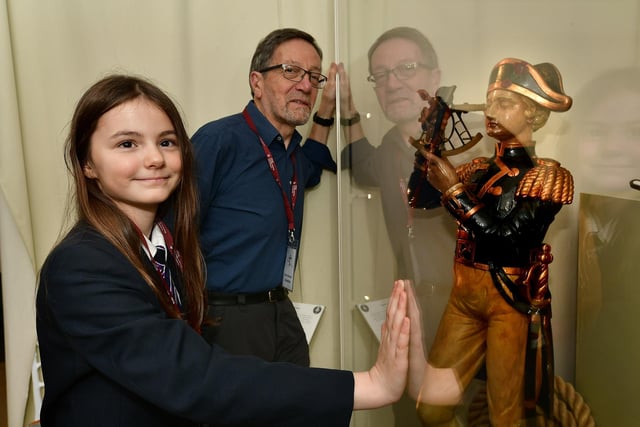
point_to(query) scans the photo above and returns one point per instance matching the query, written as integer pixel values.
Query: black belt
(272, 295)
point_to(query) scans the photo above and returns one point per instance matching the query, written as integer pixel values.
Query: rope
(569, 408)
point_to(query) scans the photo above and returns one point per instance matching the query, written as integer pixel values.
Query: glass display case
(594, 44)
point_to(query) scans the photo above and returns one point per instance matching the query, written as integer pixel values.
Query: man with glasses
(252, 172)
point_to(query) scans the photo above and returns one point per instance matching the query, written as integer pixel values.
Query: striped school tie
(160, 260)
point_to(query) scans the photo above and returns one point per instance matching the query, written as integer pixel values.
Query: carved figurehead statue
(499, 310)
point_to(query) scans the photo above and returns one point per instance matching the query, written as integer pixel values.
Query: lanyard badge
(290, 262)
(292, 243)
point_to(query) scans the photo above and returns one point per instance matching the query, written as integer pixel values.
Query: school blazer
(111, 357)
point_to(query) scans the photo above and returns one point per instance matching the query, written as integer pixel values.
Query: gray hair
(267, 46)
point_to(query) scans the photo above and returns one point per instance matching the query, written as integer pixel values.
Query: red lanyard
(288, 206)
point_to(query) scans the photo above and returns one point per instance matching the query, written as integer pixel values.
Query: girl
(120, 300)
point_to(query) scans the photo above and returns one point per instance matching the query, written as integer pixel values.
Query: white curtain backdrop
(17, 262)
(50, 52)
(199, 52)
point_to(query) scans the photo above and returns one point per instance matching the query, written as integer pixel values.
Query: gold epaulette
(465, 171)
(548, 181)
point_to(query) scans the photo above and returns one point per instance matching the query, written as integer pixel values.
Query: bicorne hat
(542, 83)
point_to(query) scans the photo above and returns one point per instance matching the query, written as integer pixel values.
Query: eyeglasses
(402, 72)
(296, 74)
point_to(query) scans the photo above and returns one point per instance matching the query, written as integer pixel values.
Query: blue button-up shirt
(244, 229)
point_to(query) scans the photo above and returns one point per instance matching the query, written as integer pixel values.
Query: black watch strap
(322, 121)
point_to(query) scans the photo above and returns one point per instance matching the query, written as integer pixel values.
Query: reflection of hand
(441, 173)
(385, 382)
(347, 107)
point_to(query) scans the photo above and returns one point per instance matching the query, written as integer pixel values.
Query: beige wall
(199, 51)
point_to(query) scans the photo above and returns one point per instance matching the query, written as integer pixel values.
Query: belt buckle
(271, 298)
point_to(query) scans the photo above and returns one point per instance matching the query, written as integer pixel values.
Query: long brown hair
(94, 207)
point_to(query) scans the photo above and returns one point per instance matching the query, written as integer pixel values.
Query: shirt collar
(157, 239)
